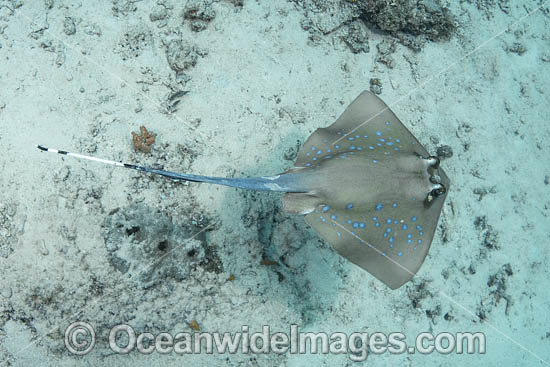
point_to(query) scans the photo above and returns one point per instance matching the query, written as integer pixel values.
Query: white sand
(489, 100)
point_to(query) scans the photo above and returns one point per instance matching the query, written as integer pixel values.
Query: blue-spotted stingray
(365, 184)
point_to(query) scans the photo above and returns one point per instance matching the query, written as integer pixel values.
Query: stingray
(365, 184)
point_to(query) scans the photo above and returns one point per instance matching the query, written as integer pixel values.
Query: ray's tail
(280, 183)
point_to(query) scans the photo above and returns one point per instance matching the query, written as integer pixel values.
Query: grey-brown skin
(376, 171)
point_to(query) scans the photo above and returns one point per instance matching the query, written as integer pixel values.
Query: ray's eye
(438, 191)
(433, 162)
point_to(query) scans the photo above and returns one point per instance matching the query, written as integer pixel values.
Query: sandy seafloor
(82, 76)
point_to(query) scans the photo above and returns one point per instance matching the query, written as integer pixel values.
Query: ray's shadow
(294, 264)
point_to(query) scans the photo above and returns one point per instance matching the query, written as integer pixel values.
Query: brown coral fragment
(142, 142)
(194, 325)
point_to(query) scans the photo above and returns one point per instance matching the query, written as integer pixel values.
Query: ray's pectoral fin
(300, 203)
(390, 242)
